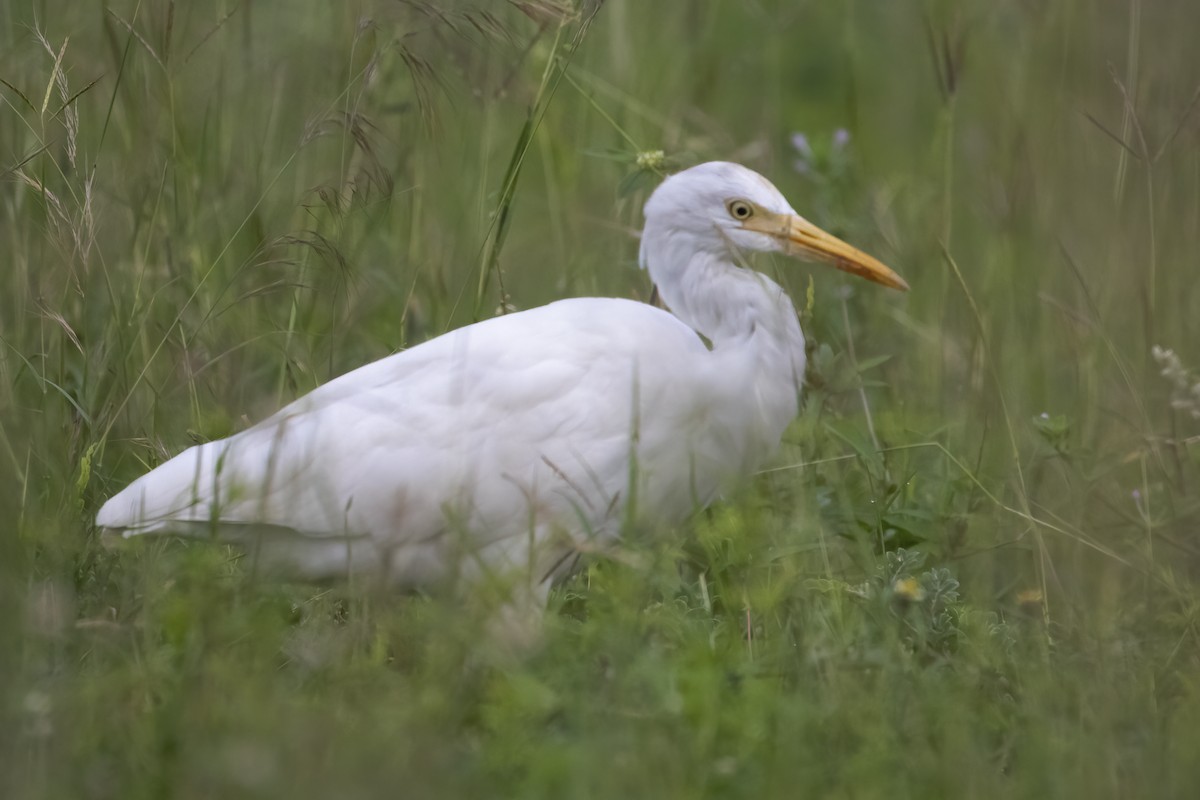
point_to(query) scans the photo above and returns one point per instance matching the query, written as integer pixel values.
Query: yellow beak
(803, 239)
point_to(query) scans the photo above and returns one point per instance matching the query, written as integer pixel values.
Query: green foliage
(971, 572)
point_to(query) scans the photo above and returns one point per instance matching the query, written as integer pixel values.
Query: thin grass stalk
(556, 67)
(1022, 493)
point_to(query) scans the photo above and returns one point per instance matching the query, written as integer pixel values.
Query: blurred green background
(972, 570)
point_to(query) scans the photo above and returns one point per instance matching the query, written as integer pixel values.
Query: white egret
(504, 446)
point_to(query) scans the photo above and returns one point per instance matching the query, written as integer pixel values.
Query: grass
(972, 570)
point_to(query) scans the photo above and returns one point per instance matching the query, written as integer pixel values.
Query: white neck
(746, 316)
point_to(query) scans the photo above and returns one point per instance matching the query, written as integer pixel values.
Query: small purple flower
(800, 142)
(841, 138)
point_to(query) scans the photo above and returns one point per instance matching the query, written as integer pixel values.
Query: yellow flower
(651, 159)
(1029, 597)
(908, 589)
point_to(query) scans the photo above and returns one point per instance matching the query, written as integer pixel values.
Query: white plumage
(500, 447)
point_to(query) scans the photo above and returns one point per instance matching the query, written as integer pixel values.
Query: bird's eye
(740, 209)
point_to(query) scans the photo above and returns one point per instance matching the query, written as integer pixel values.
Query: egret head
(719, 204)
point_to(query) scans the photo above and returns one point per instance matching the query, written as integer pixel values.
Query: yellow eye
(740, 209)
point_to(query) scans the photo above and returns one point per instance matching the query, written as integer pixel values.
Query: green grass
(972, 571)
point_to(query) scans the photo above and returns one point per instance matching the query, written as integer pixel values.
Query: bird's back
(529, 421)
